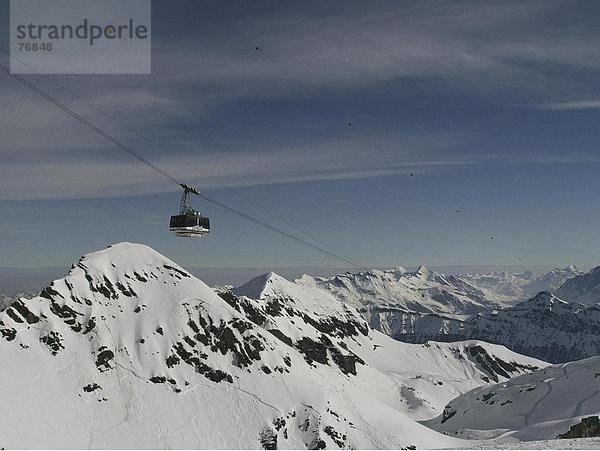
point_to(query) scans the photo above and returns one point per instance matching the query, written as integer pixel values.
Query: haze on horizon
(399, 133)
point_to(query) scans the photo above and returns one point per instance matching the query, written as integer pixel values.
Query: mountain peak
(544, 299)
(119, 272)
(543, 296)
(123, 258)
(123, 250)
(400, 269)
(595, 270)
(265, 285)
(423, 270)
(583, 288)
(130, 301)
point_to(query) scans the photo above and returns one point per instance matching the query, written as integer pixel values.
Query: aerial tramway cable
(165, 174)
(174, 155)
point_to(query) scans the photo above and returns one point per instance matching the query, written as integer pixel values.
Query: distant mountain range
(420, 306)
(507, 286)
(544, 327)
(423, 291)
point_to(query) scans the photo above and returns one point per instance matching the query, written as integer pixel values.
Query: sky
(397, 132)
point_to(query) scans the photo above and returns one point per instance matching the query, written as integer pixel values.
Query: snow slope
(131, 351)
(536, 406)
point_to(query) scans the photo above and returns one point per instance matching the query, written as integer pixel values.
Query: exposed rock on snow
(587, 427)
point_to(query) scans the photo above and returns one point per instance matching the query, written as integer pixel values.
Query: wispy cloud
(474, 45)
(134, 100)
(575, 105)
(97, 176)
(483, 49)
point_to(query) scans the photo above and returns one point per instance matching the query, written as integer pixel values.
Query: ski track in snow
(579, 406)
(539, 401)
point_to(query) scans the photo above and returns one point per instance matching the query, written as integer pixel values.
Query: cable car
(189, 223)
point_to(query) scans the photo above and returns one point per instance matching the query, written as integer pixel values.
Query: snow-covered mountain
(130, 350)
(544, 327)
(507, 286)
(537, 406)
(552, 280)
(584, 288)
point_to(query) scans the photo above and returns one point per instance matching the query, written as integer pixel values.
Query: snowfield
(131, 351)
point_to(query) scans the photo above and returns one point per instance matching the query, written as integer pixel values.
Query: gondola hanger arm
(189, 189)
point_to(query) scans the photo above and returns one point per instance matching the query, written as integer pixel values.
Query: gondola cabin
(189, 223)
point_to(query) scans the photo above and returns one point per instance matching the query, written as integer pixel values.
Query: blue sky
(492, 106)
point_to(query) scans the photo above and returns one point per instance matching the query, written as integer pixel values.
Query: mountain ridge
(584, 288)
(544, 327)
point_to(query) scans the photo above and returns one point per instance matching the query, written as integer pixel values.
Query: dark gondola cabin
(189, 222)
